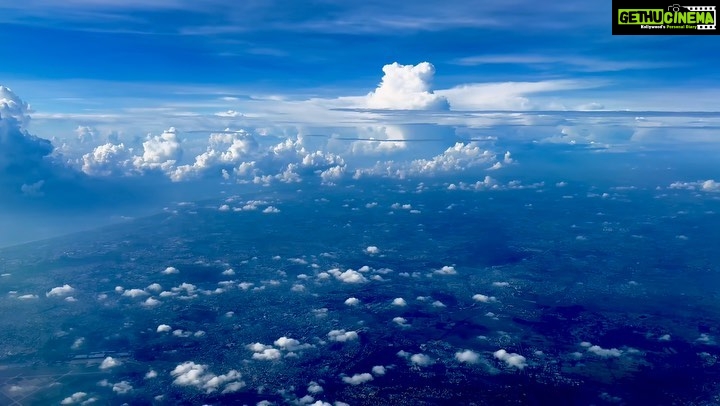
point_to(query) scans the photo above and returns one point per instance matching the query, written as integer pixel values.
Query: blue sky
(130, 89)
(326, 46)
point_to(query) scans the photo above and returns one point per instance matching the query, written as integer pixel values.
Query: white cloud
(76, 397)
(27, 297)
(170, 271)
(78, 343)
(352, 301)
(398, 301)
(12, 108)
(223, 152)
(107, 159)
(358, 379)
(446, 270)
(229, 114)
(467, 356)
(378, 370)
(290, 344)
(603, 352)
(122, 387)
(199, 376)
(151, 374)
(483, 298)
(245, 285)
(709, 185)
(511, 359)
(406, 87)
(271, 209)
(342, 335)
(258, 347)
(60, 291)
(268, 354)
(154, 287)
(456, 158)
(421, 360)
(372, 249)
(160, 152)
(380, 140)
(314, 388)
(109, 362)
(151, 302)
(349, 276)
(400, 321)
(505, 96)
(135, 293)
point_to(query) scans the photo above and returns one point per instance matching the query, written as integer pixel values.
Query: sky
(103, 97)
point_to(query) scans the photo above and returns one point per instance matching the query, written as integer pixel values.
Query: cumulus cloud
(378, 370)
(160, 152)
(135, 293)
(108, 159)
(709, 185)
(372, 249)
(155, 287)
(398, 301)
(421, 360)
(170, 271)
(109, 362)
(151, 302)
(122, 387)
(314, 388)
(483, 298)
(401, 321)
(199, 376)
(358, 379)
(21, 154)
(290, 344)
(467, 356)
(268, 354)
(601, 352)
(459, 157)
(349, 276)
(75, 398)
(224, 151)
(60, 291)
(511, 359)
(342, 335)
(352, 301)
(271, 209)
(406, 87)
(446, 270)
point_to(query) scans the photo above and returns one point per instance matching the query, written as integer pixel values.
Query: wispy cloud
(576, 63)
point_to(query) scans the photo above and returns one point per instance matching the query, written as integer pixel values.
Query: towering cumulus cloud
(406, 87)
(21, 154)
(160, 152)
